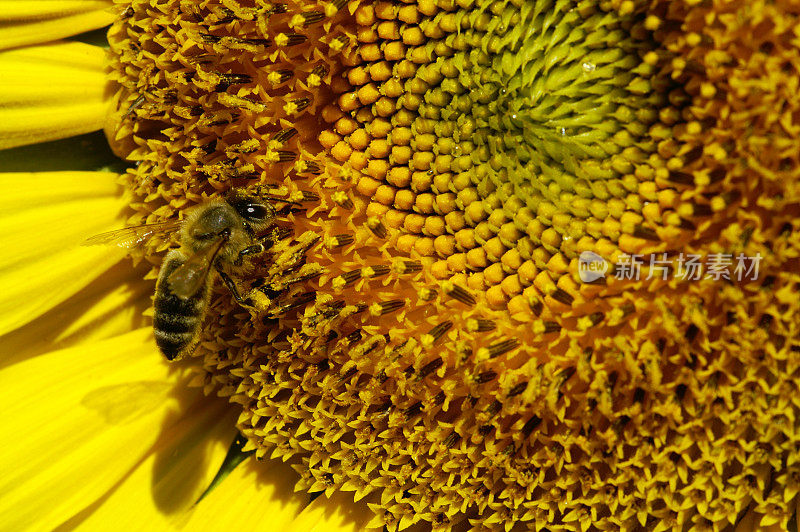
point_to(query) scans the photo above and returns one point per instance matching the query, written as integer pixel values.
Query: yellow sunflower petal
(111, 305)
(77, 421)
(46, 217)
(24, 22)
(51, 91)
(335, 513)
(170, 479)
(255, 496)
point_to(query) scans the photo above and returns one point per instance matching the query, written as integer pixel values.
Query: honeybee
(214, 237)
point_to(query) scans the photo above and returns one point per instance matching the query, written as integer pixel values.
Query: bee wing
(190, 276)
(133, 236)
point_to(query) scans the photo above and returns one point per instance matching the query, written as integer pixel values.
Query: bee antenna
(281, 199)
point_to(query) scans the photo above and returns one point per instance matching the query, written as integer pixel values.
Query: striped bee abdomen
(177, 321)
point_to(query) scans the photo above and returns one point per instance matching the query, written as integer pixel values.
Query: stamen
(343, 200)
(339, 241)
(371, 272)
(346, 279)
(284, 135)
(501, 348)
(486, 376)
(306, 19)
(290, 39)
(430, 367)
(432, 336)
(386, 307)
(377, 227)
(458, 293)
(517, 389)
(480, 325)
(407, 266)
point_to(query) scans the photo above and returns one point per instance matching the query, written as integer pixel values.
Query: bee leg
(255, 249)
(235, 291)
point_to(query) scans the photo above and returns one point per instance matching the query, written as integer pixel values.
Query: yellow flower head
(422, 330)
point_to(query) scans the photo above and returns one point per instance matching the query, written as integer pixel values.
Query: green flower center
(551, 102)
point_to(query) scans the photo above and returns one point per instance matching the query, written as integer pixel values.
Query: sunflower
(536, 265)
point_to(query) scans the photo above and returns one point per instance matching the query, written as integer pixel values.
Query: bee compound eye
(256, 211)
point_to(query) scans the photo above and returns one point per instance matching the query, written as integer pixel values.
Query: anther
(407, 266)
(517, 389)
(343, 200)
(235, 43)
(486, 376)
(432, 336)
(430, 367)
(234, 79)
(386, 307)
(209, 147)
(333, 7)
(458, 293)
(285, 156)
(354, 337)
(413, 410)
(277, 9)
(247, 146)
(340, 42)
(480, 325)
(500, 348)
(346, 279)
(563, 297)
(638, 395)
(309, 167)
(338, 241)
(320, 71)
(493, 409)
(202, 59)
(376, 226)
(306, 19)
(290, 39)
(208, 38)
(551, 326)
(276, 77)
(439, 398)
(284, 135)
(309, 196)
(372, 272)
(299, 301)
(348, 375)
(531, 425)
(646, 233)
(452, 439)
(427, 294)
(296, 106)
